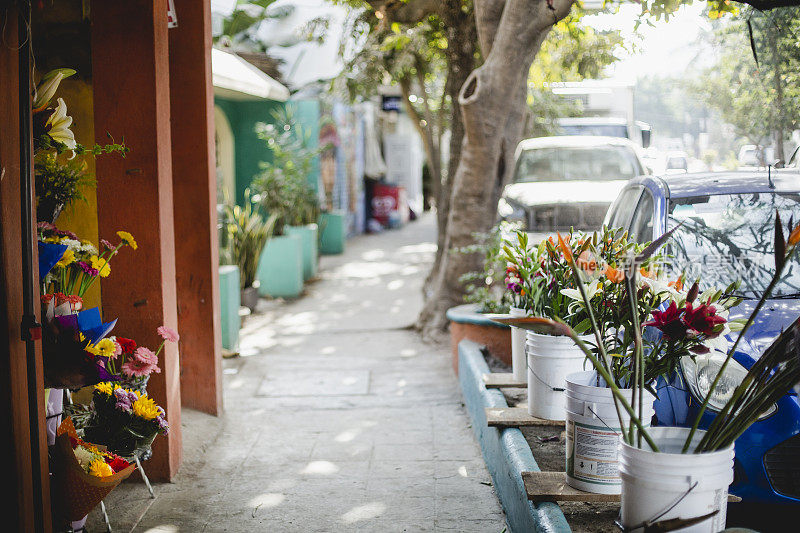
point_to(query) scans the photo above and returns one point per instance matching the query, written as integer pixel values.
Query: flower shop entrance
(151, 85)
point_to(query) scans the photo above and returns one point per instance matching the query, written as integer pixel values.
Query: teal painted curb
(229, 303)
(468, 314)
(505, 451)
(280, 270)
(309, 236)
(332, 232)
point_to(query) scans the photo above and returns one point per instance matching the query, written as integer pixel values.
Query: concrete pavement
(337, 417)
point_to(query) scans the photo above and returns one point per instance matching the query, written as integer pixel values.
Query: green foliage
(755, 85)
(282, 187)
(245, 19)
(58, 184)
(247, 233)
(486, 287)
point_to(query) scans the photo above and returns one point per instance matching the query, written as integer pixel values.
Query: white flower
(58, 126)
(72, 244)
(84, 456)
(47, 89)
(574, 294)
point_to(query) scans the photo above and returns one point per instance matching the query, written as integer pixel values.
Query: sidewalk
(337, 417)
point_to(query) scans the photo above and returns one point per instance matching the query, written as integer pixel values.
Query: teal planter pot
(332, 232)
(280, 270)
(229, 306)
(309, 235)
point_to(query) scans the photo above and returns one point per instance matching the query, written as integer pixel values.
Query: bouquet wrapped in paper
(83, 474)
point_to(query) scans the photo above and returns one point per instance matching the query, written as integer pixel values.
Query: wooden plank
(552, 487)
(516, 417)
(502, 380)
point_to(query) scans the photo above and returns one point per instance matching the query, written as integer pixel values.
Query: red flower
(117, 463)
(669, 322)
(703, 319)
(127, 345)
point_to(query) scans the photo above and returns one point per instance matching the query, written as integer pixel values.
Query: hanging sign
(172, 18)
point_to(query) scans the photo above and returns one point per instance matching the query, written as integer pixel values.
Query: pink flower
(145, 356)
(135, 367)
(168, 334)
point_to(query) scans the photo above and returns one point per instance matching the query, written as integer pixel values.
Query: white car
(568, 181)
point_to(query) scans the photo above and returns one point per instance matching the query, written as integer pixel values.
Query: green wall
(249, 150)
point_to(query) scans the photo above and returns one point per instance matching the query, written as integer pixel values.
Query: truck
(607, 108)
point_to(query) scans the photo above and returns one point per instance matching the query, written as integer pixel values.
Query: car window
(621, 210)
(596, 163)
(726, 237)
(642, 223)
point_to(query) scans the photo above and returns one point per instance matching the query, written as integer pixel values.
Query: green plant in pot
(247, 234)
(282, 186)
(678, 477)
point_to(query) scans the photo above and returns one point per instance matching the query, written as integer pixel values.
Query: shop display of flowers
(123, 419)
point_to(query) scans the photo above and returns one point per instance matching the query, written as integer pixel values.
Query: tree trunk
(778, 131)
(461, 52)
(492, 102)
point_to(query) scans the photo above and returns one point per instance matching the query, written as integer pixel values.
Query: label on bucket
(592, 453)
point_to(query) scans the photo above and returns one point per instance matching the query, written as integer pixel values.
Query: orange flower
(677, 284)
(646, 273)
(565, 249)
(614, 275)
(587, 262)
(794, 236)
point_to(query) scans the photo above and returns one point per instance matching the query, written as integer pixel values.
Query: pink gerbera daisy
(168, 334)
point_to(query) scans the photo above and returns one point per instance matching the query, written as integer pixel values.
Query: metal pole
(30, 328)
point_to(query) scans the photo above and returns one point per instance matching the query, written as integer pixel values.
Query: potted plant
(541, 281)
(247, 234)
(678, 477)
(283, 188)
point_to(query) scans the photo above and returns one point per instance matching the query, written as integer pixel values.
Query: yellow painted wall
(81, 217)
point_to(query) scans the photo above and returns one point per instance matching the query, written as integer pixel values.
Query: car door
(621, 211)
(642, 221)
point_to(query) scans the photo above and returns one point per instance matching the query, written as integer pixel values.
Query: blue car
(727, 234)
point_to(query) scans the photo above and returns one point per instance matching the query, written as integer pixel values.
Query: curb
(505, 452)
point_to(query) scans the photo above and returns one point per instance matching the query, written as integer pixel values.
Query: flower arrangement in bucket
(543, 284)
(677, 478)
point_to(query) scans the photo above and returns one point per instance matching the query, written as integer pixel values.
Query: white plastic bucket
(519, 361)
(654, 482)
(550, 360)
(593, 431)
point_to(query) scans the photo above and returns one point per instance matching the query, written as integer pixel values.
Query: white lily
(58, 126)
(49, 85)
(590, 289)
(46, 90)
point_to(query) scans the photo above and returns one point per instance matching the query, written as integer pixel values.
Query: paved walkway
(337, 417)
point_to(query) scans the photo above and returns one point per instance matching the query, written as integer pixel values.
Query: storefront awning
(235, 78)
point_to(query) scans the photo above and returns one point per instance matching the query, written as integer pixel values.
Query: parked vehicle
(567, 181)
(727, 233)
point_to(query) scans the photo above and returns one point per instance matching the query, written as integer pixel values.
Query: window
(642, 224)
(596, 163)
(621, 210)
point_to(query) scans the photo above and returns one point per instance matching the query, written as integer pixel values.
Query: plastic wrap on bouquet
(55, 407)
(74, 491)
